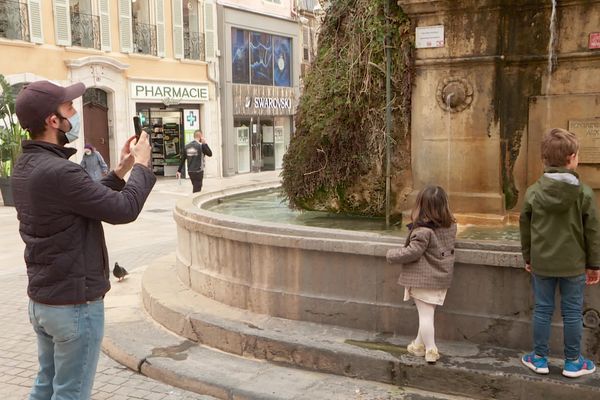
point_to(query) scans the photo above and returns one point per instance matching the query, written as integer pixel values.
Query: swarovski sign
(169, 94)
(268, 102)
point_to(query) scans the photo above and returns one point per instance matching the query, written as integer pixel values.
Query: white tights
(426, 334)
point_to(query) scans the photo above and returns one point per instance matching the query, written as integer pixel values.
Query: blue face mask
(73, 133)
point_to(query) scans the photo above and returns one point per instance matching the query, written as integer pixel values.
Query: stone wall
(496, 51)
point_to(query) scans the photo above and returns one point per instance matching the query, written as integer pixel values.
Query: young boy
(560, 239)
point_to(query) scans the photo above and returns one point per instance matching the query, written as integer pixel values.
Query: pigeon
(119, 272)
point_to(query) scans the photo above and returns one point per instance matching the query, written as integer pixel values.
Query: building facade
(259, 67)
(152, 58)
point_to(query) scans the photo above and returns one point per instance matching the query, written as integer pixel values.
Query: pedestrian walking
(194, 153)
(93, 163)
(427, 260)
(560, 240)
(60, 211)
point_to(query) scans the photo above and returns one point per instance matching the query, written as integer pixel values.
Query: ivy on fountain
(336, 160)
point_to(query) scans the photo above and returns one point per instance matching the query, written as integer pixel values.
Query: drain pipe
(388, 113)
(211, 78)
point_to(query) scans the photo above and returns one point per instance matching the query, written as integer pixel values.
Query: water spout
(449, 100)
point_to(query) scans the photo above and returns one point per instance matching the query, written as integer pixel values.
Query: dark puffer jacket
(60, 210)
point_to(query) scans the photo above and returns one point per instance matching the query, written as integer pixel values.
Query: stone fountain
(481, 101)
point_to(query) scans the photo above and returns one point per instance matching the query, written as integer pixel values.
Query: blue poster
(261, 59)
(282, 61)
(240, 56)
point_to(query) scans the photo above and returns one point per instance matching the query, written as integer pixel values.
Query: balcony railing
(14, 23)
(85, 30)
(193, 43)
(144, 38)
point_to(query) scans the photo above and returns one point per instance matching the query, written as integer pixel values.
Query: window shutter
(209, 29)
(104, 25)
(125, 35)
(160, 27)
(35, 21)
(62, 22)
(177, 28)
(306, 43)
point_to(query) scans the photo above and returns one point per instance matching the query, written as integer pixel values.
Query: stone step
(135, 340)
(464, 369)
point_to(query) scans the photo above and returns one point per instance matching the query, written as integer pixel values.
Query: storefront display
(166, 137)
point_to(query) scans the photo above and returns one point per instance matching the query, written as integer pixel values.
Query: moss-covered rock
(336, 160)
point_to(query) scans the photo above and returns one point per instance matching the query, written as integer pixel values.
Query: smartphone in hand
(137, 125)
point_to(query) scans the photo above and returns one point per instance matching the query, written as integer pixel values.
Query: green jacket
(560, 232)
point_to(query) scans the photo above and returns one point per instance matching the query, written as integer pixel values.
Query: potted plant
(11, 135)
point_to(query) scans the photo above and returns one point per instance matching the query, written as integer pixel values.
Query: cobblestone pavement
(132, 245)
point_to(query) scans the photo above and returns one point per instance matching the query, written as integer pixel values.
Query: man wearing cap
(60, 211)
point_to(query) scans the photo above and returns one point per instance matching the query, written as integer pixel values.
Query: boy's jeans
(571, 305)
(68, 339)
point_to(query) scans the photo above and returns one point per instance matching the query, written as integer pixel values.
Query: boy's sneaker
(416, 349)
(537, 364)
(579, 367)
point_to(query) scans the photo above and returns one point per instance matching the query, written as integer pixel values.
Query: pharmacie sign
(169, 93)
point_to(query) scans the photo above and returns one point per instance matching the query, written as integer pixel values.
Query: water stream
(552, 61)
(448, 132)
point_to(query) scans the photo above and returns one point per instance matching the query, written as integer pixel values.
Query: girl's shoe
(579, 367)
(416, 349)
(432, 355)
(537, 364)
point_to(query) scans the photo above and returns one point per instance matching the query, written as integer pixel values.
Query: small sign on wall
(594, 42)
(588, 133)
(429, 36)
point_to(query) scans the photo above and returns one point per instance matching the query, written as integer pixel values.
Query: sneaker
(537, 364)
(581, 366)
(416, 349)
(432, 355)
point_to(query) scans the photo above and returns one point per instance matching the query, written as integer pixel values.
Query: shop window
(85, 25)
(193, 39)
(241, 127)
(281, 138)
(240, 56)
(14, 21)
(260, 58)
(282, 61)
(144, 29)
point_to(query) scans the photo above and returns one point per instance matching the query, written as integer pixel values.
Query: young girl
(427, 260)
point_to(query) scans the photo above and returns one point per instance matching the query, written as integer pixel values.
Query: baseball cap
(38, 100)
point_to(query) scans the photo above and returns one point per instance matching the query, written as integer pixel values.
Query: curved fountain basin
(340, 277)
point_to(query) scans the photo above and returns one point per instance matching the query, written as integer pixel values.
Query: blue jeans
(69, 339)
(571, 306)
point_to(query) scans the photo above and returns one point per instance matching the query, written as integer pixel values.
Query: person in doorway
(60, 211)
(93, 163)
(427, 260)
(560, 240)
(194, 153)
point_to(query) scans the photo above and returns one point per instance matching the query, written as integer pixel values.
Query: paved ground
(151, 236)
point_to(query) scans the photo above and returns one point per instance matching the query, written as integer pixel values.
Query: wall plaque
(594, 42)
(588, 133)
(429, 36)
